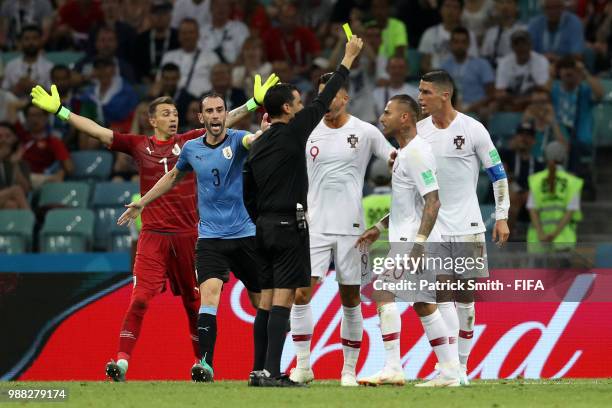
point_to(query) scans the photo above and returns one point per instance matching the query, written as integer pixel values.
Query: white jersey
(336, 160)
(414, 175)
(459, 150)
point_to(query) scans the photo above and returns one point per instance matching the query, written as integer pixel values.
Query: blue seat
(603, 124)
(502, 126)
(16, 231)
(108, 203)
(66, 194)
(92, 165)
(414, 63)
(67, 231)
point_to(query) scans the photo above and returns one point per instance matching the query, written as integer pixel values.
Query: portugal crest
(352, 139)
(459, 142)
(176, 150)
(227, 152)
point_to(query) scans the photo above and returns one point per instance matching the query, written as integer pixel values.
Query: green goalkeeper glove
(50, 103)
(259, 90)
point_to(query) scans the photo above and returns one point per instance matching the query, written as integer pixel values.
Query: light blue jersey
(218, 170)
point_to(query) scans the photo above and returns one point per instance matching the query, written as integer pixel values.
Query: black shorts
(286, 252)
(216, 257)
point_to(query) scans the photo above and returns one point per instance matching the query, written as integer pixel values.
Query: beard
(30, 52)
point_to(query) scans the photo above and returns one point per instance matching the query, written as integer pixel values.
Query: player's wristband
(252, 104)
(379, 226)
(63, 113)
(420, 239)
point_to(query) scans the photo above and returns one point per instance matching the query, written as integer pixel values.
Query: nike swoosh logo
(315, 141)
(204, 328)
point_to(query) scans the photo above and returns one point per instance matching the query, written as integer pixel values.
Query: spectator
(16, 14)
(434, 45)
(14, 172)
(47, 156)
(520, 164)
(221, 82)
(111, 100)
(496, 43)
(557, 32)
(75, 19)
(61, 76)
(31, 67)
(195, 64)
(125, 33)
(253, 14)
(476, 16)
(106, 47)
(398, 70)
(168, 82)
(394, 36)
(291, 42)
(137, 13)
(286, 73)
(473, 76)
(151, 45)
(224, 37)
(370, 56)
(198, 10)
(573, 97)
(554, 202)
(519, 72)
(9, 106)
(541, 114)
(250, 62)
(192, 120)
(598, 32)
(418, 16)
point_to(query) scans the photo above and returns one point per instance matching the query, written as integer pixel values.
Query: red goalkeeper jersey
(176, 211)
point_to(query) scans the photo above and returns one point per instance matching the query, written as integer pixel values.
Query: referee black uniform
(275, 182)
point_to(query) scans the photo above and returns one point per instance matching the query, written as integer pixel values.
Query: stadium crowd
(530, 70)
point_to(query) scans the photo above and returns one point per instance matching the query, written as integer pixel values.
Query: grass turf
(228, 394)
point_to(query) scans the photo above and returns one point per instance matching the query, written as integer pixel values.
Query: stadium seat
(66, 194)
(68, 58)
(67, 231)
(603, 124)
(120, 238)
(502, 126)
(606, 83)
(414, 63)
(16, 231)
(108, 203)
(92, 165)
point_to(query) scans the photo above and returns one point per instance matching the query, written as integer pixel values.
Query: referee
(275, 190)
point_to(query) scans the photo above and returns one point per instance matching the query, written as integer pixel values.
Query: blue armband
(496, 173)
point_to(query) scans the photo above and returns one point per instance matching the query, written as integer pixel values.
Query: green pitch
(229, 394)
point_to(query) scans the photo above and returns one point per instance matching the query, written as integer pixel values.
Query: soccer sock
(192, 307)
(390, 328)
(277, 331)
(437, 333)
(132, 323)
(207, 332)
(302, 327)
(260, 339)
(466, 314)
(351, 332)
(449, 314)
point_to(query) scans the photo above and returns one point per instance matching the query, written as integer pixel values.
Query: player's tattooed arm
(236, 115)
(430, 213)
(160, 188)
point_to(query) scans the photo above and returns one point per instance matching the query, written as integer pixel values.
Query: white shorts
(348, 260)
(463, 247)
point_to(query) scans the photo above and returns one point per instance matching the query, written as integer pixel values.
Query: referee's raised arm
(308, 118)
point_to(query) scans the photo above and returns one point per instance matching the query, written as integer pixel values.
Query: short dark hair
(276, 97)
(191, 21)
(409, 103)
(440, 78)
(323, 79)
(170, 66)
(59, 67)
(159, 101)
(30, 27)
(461, 30)
(212, 94)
